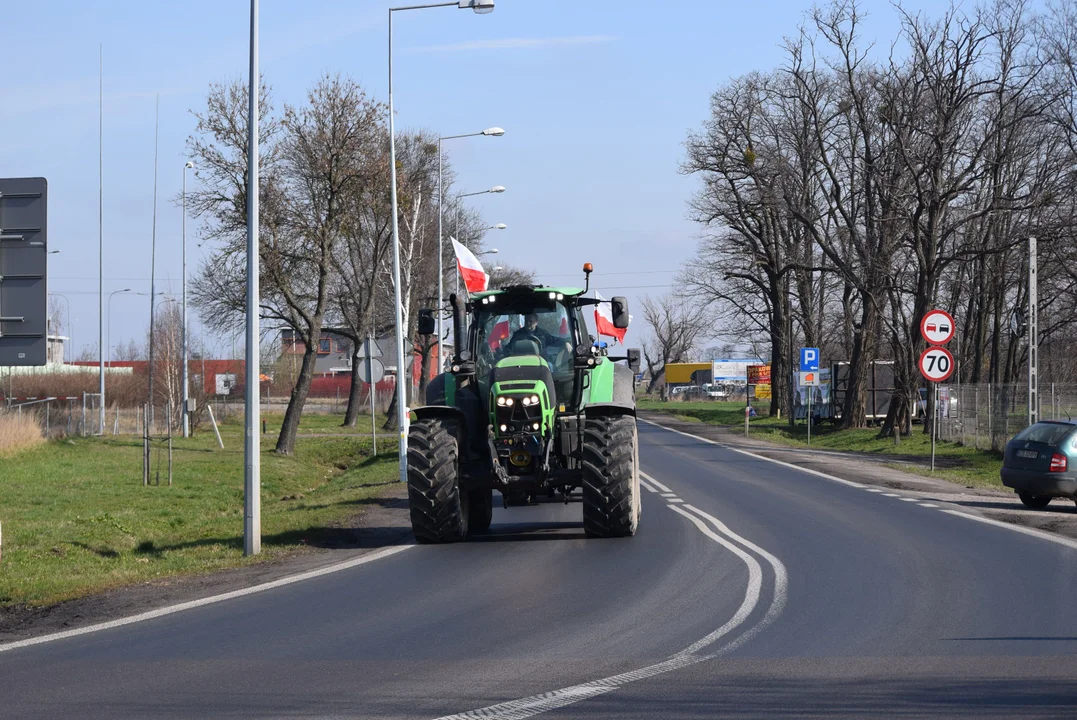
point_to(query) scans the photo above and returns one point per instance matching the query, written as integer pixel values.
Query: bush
(18, 433)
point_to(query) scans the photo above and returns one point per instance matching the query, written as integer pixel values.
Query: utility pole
(153, 251)
(1033, 336)
(252, 445)
(101, 232)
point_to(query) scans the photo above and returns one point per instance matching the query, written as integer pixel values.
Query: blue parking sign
(809, 359)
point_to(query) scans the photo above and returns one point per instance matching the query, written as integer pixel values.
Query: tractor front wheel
(611, 502)
(439, 512)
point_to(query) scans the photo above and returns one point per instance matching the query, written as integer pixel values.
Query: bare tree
(675, 329)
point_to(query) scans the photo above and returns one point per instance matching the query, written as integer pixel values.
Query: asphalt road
(751, 590)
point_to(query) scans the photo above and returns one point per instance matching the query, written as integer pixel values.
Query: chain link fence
(987, 415)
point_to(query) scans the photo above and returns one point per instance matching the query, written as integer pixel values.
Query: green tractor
(532, 407)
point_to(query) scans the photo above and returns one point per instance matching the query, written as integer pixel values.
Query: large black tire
(1036, 502)
(480, 510)
(611, 503)
(438, 509)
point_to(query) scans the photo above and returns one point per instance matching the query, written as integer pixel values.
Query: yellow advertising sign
(762, 391)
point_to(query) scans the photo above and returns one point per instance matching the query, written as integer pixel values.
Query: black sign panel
(23, 271)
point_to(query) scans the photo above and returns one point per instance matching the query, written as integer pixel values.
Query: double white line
(717, 531)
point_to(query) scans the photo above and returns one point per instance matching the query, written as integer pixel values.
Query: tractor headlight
(508, 401)
(534, 399)
(504, 427)
(526, 400)
(500, 400)
(535, 426)
(553, 296)
(560, 296)
(590, 361)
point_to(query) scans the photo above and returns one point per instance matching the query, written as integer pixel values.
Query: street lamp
(109, 340)
(183, 314)
(489, 132)
(481, 7)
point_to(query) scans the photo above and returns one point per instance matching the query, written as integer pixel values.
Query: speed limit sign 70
(936, 364)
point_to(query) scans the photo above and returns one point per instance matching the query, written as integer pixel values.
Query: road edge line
(1032, 532)
(201, 602)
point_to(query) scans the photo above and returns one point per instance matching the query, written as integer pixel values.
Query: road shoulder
(1060, 516)
(382, 524)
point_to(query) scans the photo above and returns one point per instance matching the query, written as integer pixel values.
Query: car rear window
(1049, 433)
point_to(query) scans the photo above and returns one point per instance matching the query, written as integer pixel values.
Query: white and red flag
(475, 278)
(604, 319)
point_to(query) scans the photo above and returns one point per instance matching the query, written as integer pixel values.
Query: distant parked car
(715, 392)
(1039, 463)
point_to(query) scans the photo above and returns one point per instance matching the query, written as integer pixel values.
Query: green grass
(954, 462)
(77, 519)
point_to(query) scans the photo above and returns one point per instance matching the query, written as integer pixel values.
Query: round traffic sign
(937, 327)
(936, 364)
(371, 370)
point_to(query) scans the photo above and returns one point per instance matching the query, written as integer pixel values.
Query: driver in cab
(532, 331)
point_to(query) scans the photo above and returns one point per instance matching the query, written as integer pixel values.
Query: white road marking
(1058, 539)
(781, 577)
(654, 482)
(798, 468)
(675, 500)
(928, 505)
(891, 495)
(908, 499)
(669, 494)
(538, 704)
(647, 486)
(171, 609)
(873, 489)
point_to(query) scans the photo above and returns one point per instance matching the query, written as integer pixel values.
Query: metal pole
(1033, 336)
(401, 394)
(153, 253)
(100, 230)
(811, 392)
(372, 390)
(183, 313)
(461, 241)
(934, 422)
(252, 501)
(441, 254)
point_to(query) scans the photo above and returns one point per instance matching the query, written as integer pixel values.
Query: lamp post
(480, 7)
(108, 341)
(489, 132)
(183, 314)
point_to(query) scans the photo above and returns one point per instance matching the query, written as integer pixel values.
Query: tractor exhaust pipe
(458, 328)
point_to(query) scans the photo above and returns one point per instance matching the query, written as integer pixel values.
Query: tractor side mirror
(633, 360)
(427, 326)
(619, 304)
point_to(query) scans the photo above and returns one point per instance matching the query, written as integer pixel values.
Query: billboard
(23, 274)
(732, 369)
(759, 374)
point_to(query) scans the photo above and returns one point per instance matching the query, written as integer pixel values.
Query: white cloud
(517, 43)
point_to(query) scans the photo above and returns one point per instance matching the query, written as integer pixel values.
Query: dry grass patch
(18, 433)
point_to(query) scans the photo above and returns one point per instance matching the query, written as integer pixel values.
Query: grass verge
(77, 519)
(957, 463)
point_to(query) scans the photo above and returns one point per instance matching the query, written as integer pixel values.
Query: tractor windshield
(529, 324)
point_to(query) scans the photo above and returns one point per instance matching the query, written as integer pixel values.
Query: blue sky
(596, 98)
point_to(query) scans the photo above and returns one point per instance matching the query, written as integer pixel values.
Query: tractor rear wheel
(611, 506)
(480, 510)
(438, 509)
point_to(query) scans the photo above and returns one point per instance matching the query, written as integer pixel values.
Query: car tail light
(1058, 463)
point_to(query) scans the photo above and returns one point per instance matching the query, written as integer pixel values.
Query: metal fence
(69, 417)
(987, 415)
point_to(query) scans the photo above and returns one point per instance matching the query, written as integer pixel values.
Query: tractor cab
(537, 328)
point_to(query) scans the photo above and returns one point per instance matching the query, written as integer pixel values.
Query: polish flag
(475, 278)
(604, 319)
(499, 332)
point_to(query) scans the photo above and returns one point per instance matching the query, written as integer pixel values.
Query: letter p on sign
(809, 359)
